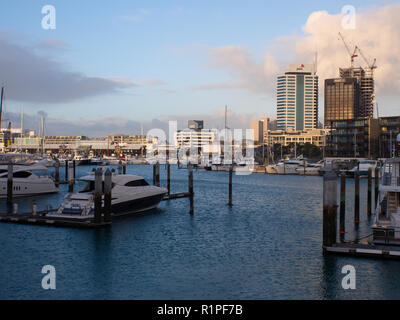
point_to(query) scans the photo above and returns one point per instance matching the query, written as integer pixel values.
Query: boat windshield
(136, 183)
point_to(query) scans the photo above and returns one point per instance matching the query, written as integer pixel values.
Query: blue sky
(161, 47)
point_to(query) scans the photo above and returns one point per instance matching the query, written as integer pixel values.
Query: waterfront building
(389, 129)
(297, 98)
(287, 137)
(358, 138)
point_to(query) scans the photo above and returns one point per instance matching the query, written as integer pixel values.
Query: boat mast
(1, 105)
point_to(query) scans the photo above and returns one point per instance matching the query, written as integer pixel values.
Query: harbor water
(266, 246)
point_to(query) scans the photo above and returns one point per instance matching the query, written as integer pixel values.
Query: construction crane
(372, 66)
(352, 54)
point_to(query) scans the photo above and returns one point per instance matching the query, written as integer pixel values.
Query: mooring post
(154, 174)
(124, 169)
(10, 184)
(369, 204)
(342, 229)
(169, 179)
(191, 193)
(357, 197)
(230, 186)
(157, 174)
(57, 173)
(71, 177)
(66, 170)
(107, 195)
(74, 168)
(376, 186)
(304, 164)
(98, 184)
(119, 167)
(329, 210)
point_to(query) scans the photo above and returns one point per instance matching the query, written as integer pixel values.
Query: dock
(365, 250)
(42, 220)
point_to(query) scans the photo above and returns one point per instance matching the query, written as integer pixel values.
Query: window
(136, 183)
(22, 174)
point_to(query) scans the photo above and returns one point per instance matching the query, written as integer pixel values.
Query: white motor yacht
(25, 182)
(130, 194)
(290, 166)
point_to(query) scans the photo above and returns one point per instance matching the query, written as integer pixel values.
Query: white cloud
(377, 33)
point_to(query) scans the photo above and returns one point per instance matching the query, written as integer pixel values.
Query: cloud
(377, 33)
(219, 86)
(30, 77)
(118, 125)
(152, 82)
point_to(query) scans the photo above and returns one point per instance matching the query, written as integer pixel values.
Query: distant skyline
(111, 66)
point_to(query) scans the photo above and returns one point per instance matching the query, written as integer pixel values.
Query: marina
(262, 237)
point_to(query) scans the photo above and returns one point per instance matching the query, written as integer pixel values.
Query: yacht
(386, 228)
(311, 169)
(130, 194)
(290, 166)
(25, 182)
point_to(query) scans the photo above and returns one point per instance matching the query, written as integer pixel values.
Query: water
(267, 246)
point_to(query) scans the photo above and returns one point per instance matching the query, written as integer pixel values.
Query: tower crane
(372, 66)
(352, 54)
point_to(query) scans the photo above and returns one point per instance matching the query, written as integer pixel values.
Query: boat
(25, 182)
(130, 194)
(290, 166)
(96, 161)
(311, 169)
(386, 227)
(363, 167)
(81, 160)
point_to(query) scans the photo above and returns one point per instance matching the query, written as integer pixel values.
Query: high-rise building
(366, 81)
(258, 128)
(341, 99)
(297, 98)
(350, 96)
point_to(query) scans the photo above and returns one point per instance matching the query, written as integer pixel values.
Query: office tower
(297, 98)
(366, 105)
(341, 99)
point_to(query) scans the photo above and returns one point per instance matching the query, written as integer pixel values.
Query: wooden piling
(342, 228)
(57, 171)
(124, 169)
(120, 167)
(376, 186)
(230, 186)
(191, 193)
(357, 197)
(98, 186)
(329, 210)
(169, 179)
(154, 174)
(107, 195)
(10, 184)
(66, 170)
(369, 204)
(74, 168)
(71, 177)
(157, 174)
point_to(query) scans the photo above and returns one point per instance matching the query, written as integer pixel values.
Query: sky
(115, 66)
